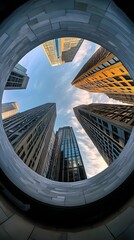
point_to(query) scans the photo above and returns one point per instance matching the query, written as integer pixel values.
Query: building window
(116, 84)
(13, 137)
(101, 127)
(115, 137)
(110, 79)
(105, 124)
(117, 78)
(127, 77)
(114, 129)
(126, 120)
(99, 120)
(121, 69)
(19, 151)
(105, 74)
(127, 135)
(100, 66)
(105, 64)
(116, 59)
(132, 83)
(107, 132)
(115, 152)
(110, 85)
(111, 61)
(124, 84)
(22, 156)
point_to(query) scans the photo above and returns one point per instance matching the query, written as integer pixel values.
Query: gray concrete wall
(29, 26)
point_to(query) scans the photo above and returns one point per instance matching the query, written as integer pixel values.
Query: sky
(53, 84)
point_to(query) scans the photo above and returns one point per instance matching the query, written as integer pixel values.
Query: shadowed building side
(61, 50)
(30, 134)
(18, 78)
(125, 98)
(108, 126)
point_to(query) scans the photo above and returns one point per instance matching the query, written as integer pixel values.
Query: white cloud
(84, 49)
(92, 159)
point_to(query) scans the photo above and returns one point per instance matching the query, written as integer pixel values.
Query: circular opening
(29, 26)
(40, 73)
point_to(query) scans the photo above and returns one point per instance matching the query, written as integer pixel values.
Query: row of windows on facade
(126, 115)
(106, 85)
(100, 67)
(105, 143)
(23, 123)
(110, 129)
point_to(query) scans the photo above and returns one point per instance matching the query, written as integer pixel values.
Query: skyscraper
(125, 98)
(66, 163)
(108, 126)
(30, 133)
(18, 78)
(104, 73)
(61, 50)
(9, 109)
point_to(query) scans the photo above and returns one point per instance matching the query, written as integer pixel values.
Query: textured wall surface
(27, 27)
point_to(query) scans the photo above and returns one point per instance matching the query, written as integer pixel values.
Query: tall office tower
(9, 109)
(18, 78)
(48, 156)
(108, 126)
(61, 50)
(69, 48)
(125, 98)
(104, 73)
(66, 164)
(30, 133)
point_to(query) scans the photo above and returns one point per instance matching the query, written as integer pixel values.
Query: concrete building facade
(30, 134)
(18, 78)
(66, 163)
(125, 98)
(9, 109)
(61, 50)
(108, 126)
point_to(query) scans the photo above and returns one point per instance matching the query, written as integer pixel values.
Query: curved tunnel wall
(29, 26)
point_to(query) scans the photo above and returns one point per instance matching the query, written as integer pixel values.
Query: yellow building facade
(61, 50)
(104, 73)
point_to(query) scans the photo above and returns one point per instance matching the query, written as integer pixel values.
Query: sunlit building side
(61, 50)
(104, 73)
(108, 126)
(18, 78)
(9, 109)
(66, 164)
(30, 134)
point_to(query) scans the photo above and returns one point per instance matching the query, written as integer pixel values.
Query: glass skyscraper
(66, 164)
